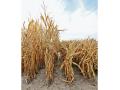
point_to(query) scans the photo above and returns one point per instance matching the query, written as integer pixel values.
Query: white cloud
(79, 24)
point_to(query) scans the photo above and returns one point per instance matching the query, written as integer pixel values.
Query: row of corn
(82, 54)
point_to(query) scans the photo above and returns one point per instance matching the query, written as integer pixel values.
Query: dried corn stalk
(67, 61)
(32, 57)
(51, 44)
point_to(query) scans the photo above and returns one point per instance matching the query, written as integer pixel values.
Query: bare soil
(40, 83)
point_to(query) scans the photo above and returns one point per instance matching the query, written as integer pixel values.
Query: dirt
(80, 83)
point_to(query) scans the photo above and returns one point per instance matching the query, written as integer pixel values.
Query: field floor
(80, 83)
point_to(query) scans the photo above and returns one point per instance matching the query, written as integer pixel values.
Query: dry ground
(80, 83)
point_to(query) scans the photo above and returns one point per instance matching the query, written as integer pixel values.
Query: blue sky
(72, 5)
(91, 4)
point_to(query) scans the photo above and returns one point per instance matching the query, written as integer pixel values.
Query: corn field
(41, 47)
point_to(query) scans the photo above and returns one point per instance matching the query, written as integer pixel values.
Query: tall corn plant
(51, 44)
(31, 50)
